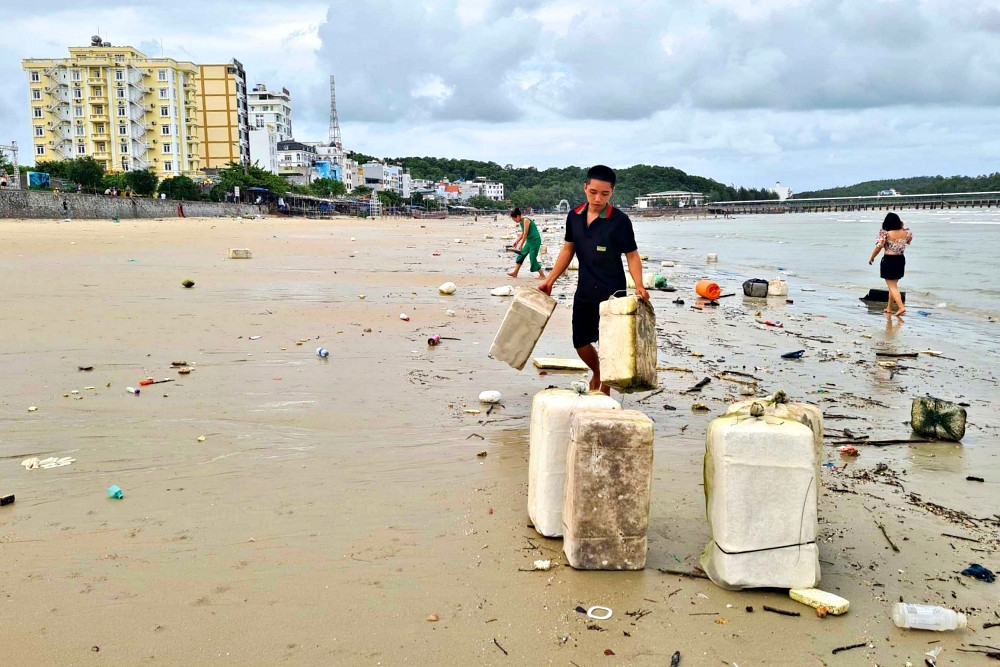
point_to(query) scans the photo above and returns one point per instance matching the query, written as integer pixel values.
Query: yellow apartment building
(126, 110)
(223, 129)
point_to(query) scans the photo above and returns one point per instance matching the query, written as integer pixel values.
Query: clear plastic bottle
(927, 617)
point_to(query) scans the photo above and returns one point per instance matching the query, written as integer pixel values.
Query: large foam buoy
(708, 289)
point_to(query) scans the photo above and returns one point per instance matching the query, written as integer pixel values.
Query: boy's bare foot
(888, 311)
(512, 274)
(900, 312)
(541, 274)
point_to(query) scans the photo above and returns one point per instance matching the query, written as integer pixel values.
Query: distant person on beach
(527, 244)
(598, 234)
(892, 239)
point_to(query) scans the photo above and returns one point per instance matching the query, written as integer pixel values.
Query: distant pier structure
(874, 203)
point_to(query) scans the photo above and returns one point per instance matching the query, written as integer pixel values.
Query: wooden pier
(837, 204)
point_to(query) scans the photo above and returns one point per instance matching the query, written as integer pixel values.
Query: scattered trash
(450, 312)
(927, 617)
(433, 618)
(675, 659)
(679, 302)
(666, 263)
(404, 317)
(699, 407)
(149, 381)
(977, 571)
(490, 397)
(32, 408)
(815, 598)
(973, 478)
(841, 649)
(755, 287)
(483, 454)
(7, 500)
(362, 297)
(240, 253)
(201, 438)
(933, 655)
(115, 491)
(34, 462)
(254, 337)
(132, 390)
(797, 354)
(769, 323)
(186, 370)
(608, 651)
(556, 364)
(447, 288)
(543, 565)
(936, 418)
(472, 412)
(84, 368)
(712, 257)
(591, 613)
(849, 450)
(789, 301)
(434, 340)
(697, 387)
(505, 290)
(708, 289)
(188, 283)
(322, 352)
(923, 313)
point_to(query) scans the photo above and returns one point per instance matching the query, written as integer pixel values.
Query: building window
(121, 93)
(39, 131)
(36, 112)
(168, 166)
(76, 75)
(39, 150)
(78, 112)
(98, 109)
(35, 78)
(96, 91)
(167, 148)
(163, 93)
(165, 129)
(77, 93)
(124, 147)
(101, 147)
(80, 130)
(122, 129)
(99, 128)
(81, 149)
(121, 111)
(119, 57)
(161, 75)
(36, 94)
(119, 74)
(95, 72)
(164, 111)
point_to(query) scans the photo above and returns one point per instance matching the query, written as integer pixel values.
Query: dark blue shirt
(599, 249)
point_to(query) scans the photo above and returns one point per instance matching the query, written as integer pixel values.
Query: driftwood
(891, 441)
(911, 355)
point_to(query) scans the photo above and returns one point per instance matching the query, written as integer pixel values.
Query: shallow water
(952, 258)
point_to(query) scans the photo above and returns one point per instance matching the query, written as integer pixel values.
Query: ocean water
(954, 258)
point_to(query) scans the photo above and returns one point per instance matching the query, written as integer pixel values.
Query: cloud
(811, 92)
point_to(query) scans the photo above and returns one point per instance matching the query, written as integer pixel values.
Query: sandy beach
(336, 504)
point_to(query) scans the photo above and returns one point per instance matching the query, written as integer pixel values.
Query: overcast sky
(812, 93)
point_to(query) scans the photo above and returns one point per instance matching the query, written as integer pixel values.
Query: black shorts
(892, 267)
(586, 322)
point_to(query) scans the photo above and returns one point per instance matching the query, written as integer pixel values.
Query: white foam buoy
(711, 257)
(489, 397)
(450, 312)
(404, 317)
(667, 263)
(447, 288)
(506, 290)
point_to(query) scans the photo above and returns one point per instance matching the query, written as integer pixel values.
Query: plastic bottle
(927, 617)
(322, 352)
(132, 390)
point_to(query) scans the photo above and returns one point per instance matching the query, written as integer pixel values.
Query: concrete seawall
(48, 205)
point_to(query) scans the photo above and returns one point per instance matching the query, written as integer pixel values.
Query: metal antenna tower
(335, 138)
(12, 149)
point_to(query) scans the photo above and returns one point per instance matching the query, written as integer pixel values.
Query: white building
(480, 187)
(295, 155)
(350, 175)
(670, 198)
(782, 191)
(271, 107)
(382, 177)
(264, 148)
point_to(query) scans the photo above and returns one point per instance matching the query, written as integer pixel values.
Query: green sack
(934, 418)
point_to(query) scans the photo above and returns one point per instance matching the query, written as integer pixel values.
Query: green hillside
(527, 186)
(919, 185)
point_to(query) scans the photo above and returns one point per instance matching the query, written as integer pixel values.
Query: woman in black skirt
(893, 239)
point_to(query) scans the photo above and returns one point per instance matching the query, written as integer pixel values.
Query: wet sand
(337, 503)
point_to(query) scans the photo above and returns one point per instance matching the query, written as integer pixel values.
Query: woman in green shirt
(529, 243)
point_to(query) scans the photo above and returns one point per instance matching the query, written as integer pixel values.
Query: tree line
(918, 185)
(529, 186)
